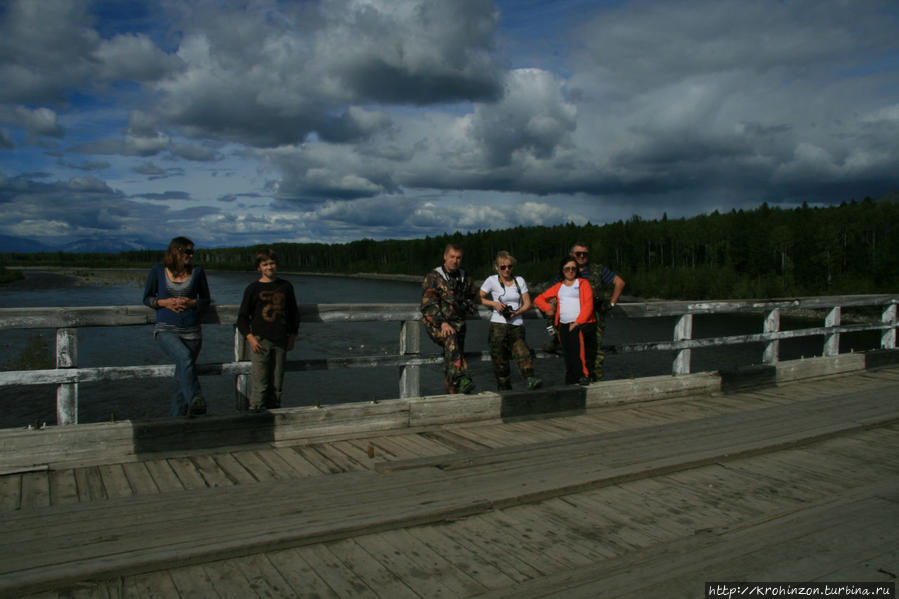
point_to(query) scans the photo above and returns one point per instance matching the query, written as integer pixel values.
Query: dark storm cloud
(194, 152)
(289, 71)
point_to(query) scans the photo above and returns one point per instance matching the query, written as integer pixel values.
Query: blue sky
(237, 123)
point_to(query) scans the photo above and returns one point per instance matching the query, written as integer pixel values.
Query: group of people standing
(268, 319)
(574, 306)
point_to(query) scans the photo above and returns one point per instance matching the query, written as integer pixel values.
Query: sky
(238, 123)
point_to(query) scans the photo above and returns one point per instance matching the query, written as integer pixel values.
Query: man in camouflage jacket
(448, 295)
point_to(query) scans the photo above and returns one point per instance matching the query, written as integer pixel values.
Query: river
(149, 398)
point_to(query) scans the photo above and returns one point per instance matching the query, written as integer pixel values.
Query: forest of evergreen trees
(763, 253)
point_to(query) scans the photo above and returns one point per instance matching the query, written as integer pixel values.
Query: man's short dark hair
(576, 244)
(452, 246)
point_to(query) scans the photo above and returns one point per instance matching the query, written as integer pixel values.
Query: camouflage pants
(595, 362)
(454, 365)
(507, 342)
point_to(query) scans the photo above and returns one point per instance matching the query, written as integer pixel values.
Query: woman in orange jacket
(575, 321)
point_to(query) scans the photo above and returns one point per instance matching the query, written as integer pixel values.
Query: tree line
(761, 253)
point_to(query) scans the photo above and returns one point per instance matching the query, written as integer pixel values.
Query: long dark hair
(562, 264)
(171, 254)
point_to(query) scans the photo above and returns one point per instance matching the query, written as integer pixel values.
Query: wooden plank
(461, 556)
(728, 487)
(549, 534)
(154, 585)
(193, 582)
(263, 577)
(346, 463)
(452, 441)
(366, 567)
(63, 487)
(35, 490)
(90, 484)
(299, 464)
(10, 492)
(400, 552)
(228, 582)
(335, 573)
(317, 459)
(233, 469)
(539, 430)
(420, 444)
(255, 466)
(281, 469)
(187, 473)
(294, 568)
(644, 521)
(505, 547)
(874, 566)
(139, 478)
(635, 502)
(355, 453)
(365, 452)
(486, 435)
(502, 559)
(114, 480)
(880, 447)
(392, 448)
(212, 474)
(163, 476)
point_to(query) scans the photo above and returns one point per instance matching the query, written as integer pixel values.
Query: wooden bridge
(643, 488)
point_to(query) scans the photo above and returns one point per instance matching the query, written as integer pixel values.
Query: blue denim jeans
(184, 353)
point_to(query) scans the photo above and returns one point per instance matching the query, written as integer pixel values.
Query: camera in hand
(506, 312)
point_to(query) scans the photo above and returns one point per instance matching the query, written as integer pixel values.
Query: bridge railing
(67, 375)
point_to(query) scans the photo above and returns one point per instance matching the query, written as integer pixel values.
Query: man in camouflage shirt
(448, 295)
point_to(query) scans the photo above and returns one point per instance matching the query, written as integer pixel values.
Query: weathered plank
(176, 528)
(679, 568)
(366, 567)
(299, 574)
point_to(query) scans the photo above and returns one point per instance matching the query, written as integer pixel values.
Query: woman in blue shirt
(178, 291)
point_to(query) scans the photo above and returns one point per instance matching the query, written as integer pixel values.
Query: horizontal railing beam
(103, 316)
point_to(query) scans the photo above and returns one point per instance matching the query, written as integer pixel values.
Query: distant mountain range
(99, 245)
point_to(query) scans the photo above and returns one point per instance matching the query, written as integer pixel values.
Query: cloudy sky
(332, 120)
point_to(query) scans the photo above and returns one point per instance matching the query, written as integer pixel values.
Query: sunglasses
(572, 268)
(505, 267)
(581, 254)
(186, 251)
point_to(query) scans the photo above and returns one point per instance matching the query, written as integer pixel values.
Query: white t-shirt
(498, 292)
(569, 302)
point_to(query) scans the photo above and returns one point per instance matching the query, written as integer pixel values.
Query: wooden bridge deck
(798, 482)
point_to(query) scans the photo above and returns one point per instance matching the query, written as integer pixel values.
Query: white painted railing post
(683, 330)
(241, 381)
(410, 344)
(772, 349)
(67, 393)
(888, 338)
(832, 341)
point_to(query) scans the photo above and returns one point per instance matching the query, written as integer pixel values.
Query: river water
(149, 398)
